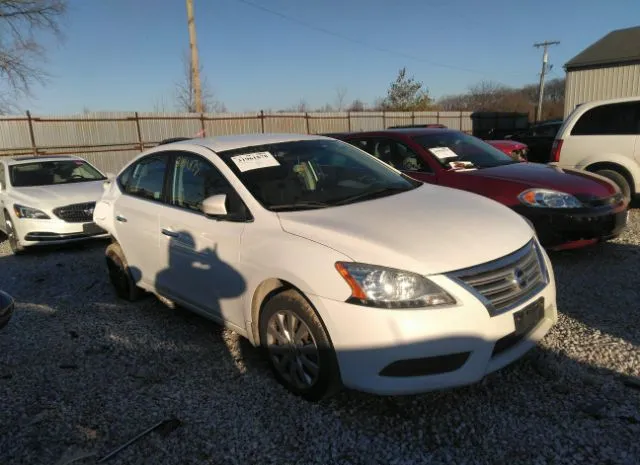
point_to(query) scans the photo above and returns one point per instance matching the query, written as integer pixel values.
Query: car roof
(22, 159)
(410, 132)
(223, 143)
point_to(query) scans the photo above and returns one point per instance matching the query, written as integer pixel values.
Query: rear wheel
(619, 179)
(120, 275)
(12, 236)
(298, 347)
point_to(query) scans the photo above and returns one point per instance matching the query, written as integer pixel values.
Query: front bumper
(397, 352)
(557, 228)
(40, 232)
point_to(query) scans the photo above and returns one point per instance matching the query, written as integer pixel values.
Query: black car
(539, 138)
(6, 308)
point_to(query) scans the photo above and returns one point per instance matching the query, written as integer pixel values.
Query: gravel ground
(81, 371)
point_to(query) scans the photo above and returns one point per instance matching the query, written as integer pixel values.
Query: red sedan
(567, 208)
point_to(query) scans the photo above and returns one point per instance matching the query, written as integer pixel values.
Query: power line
(356, 41)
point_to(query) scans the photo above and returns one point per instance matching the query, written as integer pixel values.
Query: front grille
(507, 282)
(76, 213)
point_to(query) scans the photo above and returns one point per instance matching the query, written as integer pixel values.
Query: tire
(619, 179)
(14, 243)
(120, 275)
(293, 363)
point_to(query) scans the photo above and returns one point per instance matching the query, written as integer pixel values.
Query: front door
(200, 254)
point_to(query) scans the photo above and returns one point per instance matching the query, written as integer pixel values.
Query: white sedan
(48, 199)
(346, 271)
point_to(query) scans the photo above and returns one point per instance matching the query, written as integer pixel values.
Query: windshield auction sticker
(443, 152)
(254, 161)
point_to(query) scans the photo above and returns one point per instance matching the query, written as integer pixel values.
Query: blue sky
(125, 55)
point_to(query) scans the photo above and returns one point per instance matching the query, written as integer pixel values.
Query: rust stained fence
(110, 140)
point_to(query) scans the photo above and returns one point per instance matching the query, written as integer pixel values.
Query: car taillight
(555, 150)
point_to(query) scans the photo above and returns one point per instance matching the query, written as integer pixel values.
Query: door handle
(170, 233)
(121, 219)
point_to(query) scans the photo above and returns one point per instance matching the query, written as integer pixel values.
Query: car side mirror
(215, 206)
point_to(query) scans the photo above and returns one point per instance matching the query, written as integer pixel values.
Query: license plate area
(92, 229)
(528, 318)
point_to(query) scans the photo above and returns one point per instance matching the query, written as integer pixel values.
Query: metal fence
(109, 140)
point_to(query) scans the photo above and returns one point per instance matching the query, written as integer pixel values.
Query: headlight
(546, 198)
(377, 286)
(29, 213)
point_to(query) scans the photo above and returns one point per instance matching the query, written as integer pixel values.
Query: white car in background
(48, 199)
(345, 270)
(603, 137)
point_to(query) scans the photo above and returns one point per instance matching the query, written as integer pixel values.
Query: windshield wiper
(373, 194)
(299, 206)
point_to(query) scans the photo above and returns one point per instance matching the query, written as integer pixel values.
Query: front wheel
(12, 237)
(299, 350)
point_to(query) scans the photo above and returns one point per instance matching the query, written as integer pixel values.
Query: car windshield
(452, 147)
(311, 174)
(46, 173)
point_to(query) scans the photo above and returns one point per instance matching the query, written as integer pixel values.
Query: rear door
(137, 213)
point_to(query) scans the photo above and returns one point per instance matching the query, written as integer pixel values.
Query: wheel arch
(613, 166)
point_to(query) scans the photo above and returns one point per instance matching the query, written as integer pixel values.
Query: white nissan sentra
(346, 271)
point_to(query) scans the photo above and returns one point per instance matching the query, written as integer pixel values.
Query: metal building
(609, 68)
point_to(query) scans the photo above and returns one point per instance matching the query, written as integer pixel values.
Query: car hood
(509, 144)
(574, 182)
(49, 197)
(428, 230)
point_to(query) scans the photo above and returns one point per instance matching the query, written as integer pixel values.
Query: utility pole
(545, 68)
(195, 66)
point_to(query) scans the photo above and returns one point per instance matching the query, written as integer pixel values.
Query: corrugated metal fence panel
(397, 118)
(14, 133)
(155, 127)
(367, 121)
(224, 124)
(320, 123)
(84, 130)
(293, 123)
(600, 84)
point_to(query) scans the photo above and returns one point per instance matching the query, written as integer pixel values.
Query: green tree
(406, 94)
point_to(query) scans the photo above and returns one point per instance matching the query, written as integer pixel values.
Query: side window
(612, 119)
(145, 179)
(363, 144)
(194, 180)
(399, 156)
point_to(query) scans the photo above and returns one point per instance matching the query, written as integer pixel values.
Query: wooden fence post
(262, 120)
(438, 117)
(32, 136)
(204, 133)
(460, 125)
(384, 120)
(348, 121)
(140, 143)
(413, 118)
(306, 117)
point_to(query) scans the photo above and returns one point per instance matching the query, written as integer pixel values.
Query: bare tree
(21, 55)
(341, 95)
(357, 105)
(160, 105)
(185, 92)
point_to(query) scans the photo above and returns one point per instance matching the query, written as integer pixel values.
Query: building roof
(616, 48)
(222, 143)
